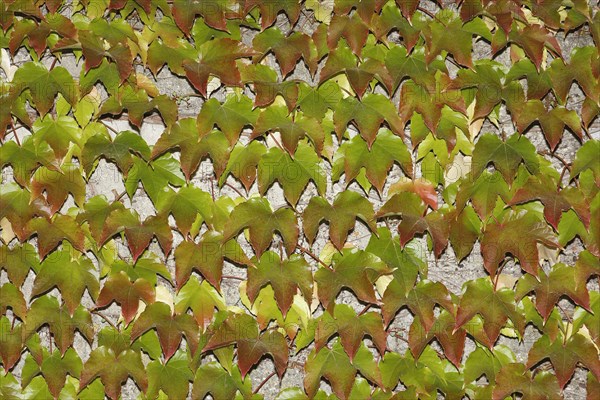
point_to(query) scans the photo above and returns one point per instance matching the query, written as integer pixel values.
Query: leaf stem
(104, 317)
(272, 374)
(313, 256)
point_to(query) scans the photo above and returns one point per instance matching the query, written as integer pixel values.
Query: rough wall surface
(106, 177)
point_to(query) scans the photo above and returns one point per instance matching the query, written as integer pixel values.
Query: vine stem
(105, 318)
(272, 374)
(313, 256)
(229, 185)
(232, 277)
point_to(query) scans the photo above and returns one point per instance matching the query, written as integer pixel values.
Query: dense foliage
(410, 121)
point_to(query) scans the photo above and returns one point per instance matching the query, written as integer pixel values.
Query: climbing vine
(315, 162)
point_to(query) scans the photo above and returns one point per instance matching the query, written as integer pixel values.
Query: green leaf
(333, 365)
(367, 114)
(243, 162)
(214, 379)
(71, 275)
(292, 129)
(154, 176)
(201, 298)
(58, 185)
(62, 324)
(351, 328)
(184, 136)
(113, 370)
(217, 58)
(292, 173)
(169, 326)
(119, 288)
(185, 205)
(230, 117)
(494, 305)
(118, 150)
(341, 215)
(505, 155)
(353, 269)
(207, 258)
(262, 222)
(354, 155)
(172, 377)
(506, 236)
(44, 85)
(286, 277)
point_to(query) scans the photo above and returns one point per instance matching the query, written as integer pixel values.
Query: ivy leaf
(406, 262)
(360, 75)
(96, 211)
(447, 33)
(217, 58)
(231, 116)
(352, 28)
(214, 379)
(119, 288)
(54, 368)
(341, 215)
(364, 8)
(333, 365)
(18, 261)
(51, 232)
(169, 326)
(44, 85)
(315, 101)
(533, 39)
(12, 297)
(184, 136)
(139, 233)
(16, 206)
(465, 228)
(201, 298)
(213, 13)
(421, 300)
(500, 238)
(172, 377)
(268, 12)
(11, 344)
(118, 150)
(578, 69)
(185, 205)
(487, 78)
(113, 370)
(367, 114)
(243, 330)
(483, 193)
(452, 340)
(487, 362)
(287, 49)
(505, 155)
(351, 328)
(353, 269)
(58, 184)
(26, 158)
(292, 128)
(154, 176)
(494, 305)
(207, 258)
(293, 174)
(514, 377)
(268, 86)
(58, 132)
(243, 163)
(262, 222)
(355, 154)
(555, 201)
(429, 99)
(586, 158)
(550, 288)
(62, 324)
(411, 209)
(286, 277)
(565, 355)
(71, 275)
